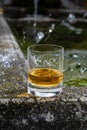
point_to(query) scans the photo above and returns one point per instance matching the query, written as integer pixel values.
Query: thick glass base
(45, 92)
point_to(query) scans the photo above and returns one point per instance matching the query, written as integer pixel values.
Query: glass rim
(59, 48)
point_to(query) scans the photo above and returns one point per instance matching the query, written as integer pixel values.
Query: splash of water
(35, 10)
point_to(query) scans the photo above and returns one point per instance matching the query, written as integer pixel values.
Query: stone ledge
(64, 112)
(12, 64)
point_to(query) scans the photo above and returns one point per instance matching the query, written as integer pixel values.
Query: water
(31, 30)
(75, 72)
(35, 9)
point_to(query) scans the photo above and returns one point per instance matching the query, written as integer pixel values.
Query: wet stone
(12, 70)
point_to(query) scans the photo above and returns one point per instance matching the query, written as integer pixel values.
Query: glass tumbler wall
(45, 69)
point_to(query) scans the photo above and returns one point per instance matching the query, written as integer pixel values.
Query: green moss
(77, 82)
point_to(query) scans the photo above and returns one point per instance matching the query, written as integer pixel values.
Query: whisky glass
(45, 69)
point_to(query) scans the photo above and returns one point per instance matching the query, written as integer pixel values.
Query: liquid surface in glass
(45, 77)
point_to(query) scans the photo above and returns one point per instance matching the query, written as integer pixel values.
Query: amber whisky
(45, 77)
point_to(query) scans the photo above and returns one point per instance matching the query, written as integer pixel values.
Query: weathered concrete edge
(8, 40)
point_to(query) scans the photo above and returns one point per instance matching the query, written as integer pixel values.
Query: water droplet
(71, 18)
(39, 37)
(82, 70)
(75, 55)
(50, 30)
(71, 70)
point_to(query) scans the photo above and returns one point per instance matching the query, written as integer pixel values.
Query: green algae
(77, 82)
